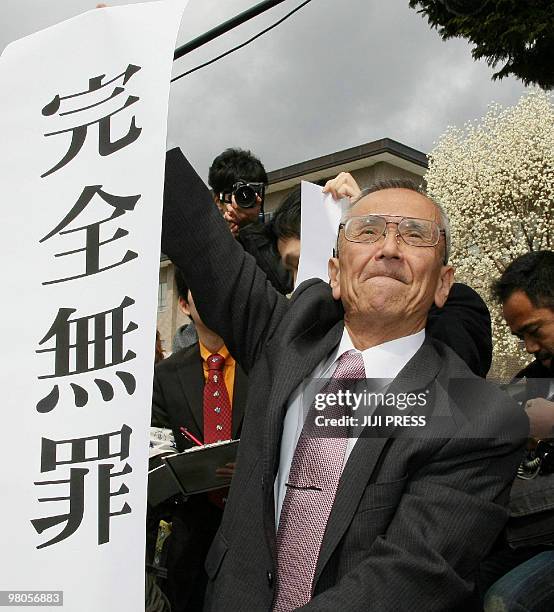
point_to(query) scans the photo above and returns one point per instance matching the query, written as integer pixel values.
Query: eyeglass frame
(342, 225)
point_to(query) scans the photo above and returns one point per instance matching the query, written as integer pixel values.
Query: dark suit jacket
(412, 517)
(532, 501)
(257, 240)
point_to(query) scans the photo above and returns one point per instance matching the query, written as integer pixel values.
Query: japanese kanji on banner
(83, 113)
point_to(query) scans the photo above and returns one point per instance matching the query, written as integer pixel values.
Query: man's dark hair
(286, 220)
(182, 287)
(232, 165)
(532, 273)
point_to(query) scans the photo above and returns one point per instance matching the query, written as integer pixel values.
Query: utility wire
(227, 26)
(247, 42)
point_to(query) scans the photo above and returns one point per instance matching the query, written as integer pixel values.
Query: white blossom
(495, 178)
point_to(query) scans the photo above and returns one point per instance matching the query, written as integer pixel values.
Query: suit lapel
(312, 330)
(191, 377)
(300, 360)
(416, 374)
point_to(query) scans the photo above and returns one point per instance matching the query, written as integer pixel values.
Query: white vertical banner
(83, 115)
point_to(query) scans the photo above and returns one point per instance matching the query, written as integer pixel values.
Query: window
(162, 296)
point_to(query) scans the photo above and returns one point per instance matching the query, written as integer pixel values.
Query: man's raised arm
(231, 293)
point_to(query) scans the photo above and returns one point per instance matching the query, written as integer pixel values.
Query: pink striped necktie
(311, 488)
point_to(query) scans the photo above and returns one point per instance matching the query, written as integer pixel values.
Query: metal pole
(239, 19)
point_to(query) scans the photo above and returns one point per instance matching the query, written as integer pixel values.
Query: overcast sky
(335, 75)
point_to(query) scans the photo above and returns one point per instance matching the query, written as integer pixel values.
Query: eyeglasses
(413, 231)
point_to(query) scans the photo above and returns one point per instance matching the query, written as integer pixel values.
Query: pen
(190, 437)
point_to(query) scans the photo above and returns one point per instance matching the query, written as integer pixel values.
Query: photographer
(238, 180)
(520, 569)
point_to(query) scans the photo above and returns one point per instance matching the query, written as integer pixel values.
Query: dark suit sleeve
(232, 294)
(448, 517)
(464, 324)
(256, 240)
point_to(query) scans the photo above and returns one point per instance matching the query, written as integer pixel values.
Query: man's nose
(531, 345)
(390, 243)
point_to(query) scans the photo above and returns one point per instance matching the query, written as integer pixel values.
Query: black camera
(545, 451)
(538, 461)
(246, 194)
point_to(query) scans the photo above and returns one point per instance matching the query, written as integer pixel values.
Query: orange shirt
(228, 368)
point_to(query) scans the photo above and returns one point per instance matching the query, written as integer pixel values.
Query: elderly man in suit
(339, 523)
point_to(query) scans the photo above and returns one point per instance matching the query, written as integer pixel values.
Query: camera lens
(245, 196)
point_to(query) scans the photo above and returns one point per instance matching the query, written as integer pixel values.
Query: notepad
(194, 469)
(161, 485)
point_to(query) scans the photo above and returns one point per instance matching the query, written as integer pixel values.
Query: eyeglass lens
(415, 232)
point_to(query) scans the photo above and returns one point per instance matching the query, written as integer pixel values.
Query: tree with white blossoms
(495, 178)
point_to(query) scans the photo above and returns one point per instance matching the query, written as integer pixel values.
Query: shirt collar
(223, 351)
(384, 360)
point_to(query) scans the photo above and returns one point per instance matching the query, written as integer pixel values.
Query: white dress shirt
(382, 362)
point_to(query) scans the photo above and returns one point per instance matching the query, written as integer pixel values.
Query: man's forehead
(520, 312)
(401, 202)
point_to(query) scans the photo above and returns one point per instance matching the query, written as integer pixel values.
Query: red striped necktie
(217, 406)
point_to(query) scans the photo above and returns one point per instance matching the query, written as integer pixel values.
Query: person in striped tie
(345, 519)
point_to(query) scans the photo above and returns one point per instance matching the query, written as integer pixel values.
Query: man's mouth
(393, 275)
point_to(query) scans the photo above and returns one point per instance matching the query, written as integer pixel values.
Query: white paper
(100, 566)
(320, 218)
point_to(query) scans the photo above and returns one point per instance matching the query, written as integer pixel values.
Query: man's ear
(219, 203)
(444, 284)
(333, 268)
(184, 306)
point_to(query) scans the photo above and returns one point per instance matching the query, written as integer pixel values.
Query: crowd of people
(352, 516)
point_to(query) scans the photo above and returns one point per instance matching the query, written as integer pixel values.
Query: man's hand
(233, 227)
(541, 418)
(240, 217)
(227, 471)
(342, 186)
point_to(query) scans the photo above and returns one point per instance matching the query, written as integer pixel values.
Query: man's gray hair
(406, 183)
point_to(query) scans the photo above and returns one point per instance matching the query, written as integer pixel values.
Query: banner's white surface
(320, 218)
(88, 212)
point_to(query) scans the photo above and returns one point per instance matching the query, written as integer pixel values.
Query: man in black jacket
(520, 569)
(247, 223)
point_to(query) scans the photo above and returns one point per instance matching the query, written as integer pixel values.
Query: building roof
(362, 156)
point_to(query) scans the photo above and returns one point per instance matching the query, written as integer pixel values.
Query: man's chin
(384, 297)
